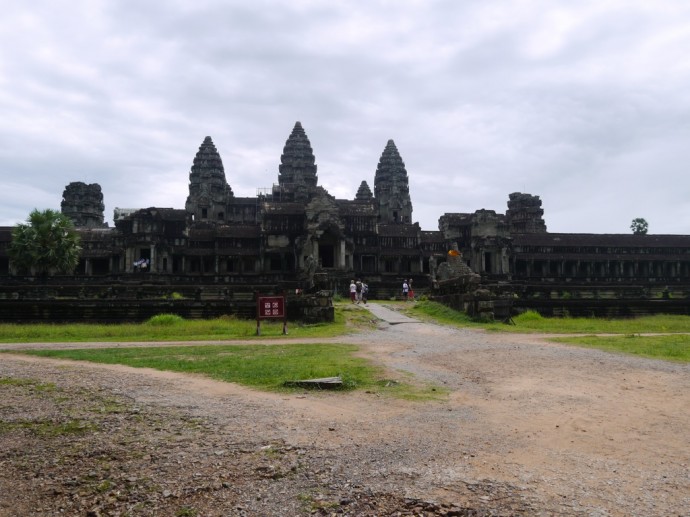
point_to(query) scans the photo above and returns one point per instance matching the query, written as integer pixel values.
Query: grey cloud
(576, 103)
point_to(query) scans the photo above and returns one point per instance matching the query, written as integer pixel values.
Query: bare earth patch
(529, 428)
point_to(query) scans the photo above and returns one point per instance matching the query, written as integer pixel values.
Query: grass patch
(36, 385)
(532, 321)
(266, 367)
(259, 366)
(660, 323)
(669, 348)
(48, 428)
(165, 320)
(427, 310)
(405, 391)
(170, 327)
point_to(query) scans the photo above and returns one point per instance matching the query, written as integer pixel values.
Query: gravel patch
(528, 428)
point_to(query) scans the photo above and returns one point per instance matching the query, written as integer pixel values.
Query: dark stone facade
(295, 235)
(83, 204)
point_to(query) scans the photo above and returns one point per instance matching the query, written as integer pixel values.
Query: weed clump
(165, 320)
(529, 316)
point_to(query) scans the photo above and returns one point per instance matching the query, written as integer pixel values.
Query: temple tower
(525, 214)
(83, 204)
(209, 192)
(297, 170)
(391, 188)
(364, 192)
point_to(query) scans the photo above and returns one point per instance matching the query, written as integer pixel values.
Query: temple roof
(390, 171)
(208, 166)
(398, 230)
(431, 236)
(456, 218)
(356, 208)
(161, 214)
(284, 208)
(364, 192)
(251, 231)
(602, 240)
(297, 163)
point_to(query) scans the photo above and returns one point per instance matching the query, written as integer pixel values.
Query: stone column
(341, 257)
(152, 266)
(129, 260)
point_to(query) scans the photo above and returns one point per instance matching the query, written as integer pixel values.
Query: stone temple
(295, 235)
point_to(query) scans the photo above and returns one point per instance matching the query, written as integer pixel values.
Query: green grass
(265, 367)
(36, 385)
(661, 323)
(437, 312)
(670, 348)
(531, 321)
(169, 327)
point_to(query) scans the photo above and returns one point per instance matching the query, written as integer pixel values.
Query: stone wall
(113, 304)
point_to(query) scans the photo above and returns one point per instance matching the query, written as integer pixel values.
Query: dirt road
(528, 427)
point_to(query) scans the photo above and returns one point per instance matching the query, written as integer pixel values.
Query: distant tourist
(358, 290)
(353, 291)
(405, 289)
(365, 292)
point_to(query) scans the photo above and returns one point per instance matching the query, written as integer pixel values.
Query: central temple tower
(209, 192)
(391, 188)
(297, 170)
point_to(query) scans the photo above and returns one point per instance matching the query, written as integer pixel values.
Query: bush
(530, 316)
(165, 320)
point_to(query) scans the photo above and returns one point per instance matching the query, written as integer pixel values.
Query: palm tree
(46, 244)
(639, 226)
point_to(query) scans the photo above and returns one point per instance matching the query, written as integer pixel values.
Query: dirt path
(529, 427)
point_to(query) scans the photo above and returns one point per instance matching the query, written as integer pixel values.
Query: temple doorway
(327, 255)
(329, 252)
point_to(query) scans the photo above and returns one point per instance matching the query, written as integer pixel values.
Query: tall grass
(532, 321)
(170, 327)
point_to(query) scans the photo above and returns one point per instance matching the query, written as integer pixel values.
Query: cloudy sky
(584, 103)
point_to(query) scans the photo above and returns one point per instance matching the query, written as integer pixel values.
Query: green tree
(639, 226)
(46, 244)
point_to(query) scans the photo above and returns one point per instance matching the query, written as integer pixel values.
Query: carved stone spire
(391, 187)
(297, 163)
(525, 214)
(209, 192)
(364, 192)
(83, 204)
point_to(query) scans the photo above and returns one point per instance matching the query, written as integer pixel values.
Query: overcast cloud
(586, 104)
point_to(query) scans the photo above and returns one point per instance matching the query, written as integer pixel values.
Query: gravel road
(528, 427)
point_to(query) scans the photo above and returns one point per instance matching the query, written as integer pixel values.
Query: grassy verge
(265, 367)
(669, 348)
(437, 312)
(173, 328)
(532, 322)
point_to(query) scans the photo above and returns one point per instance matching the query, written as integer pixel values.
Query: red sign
(271, 307)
